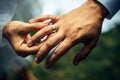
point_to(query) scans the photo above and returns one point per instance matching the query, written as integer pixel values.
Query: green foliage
(101, 64)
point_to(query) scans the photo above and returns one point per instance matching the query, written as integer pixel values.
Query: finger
(33, 27)
(50, 43)
(59, 51)
(85, 50)
(40, 34)
(43, 18)
(24, 50)
(27, 38)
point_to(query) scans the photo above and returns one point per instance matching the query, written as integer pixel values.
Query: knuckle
(69, 42)
(37, 25)
(49, 43)
(58, 52)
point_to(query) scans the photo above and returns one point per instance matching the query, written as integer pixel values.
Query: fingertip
(36, 60)
(75, 61)
(29, 43)
(31, 20)
(47, 66)
(51, 61)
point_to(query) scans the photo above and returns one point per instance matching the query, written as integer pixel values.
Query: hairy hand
(82, 25)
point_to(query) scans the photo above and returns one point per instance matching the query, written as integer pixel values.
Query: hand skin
(81, 25)
(17, 33)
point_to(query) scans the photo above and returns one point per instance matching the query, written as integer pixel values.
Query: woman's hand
(18, 34)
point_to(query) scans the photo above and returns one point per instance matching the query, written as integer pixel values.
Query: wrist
(99, 7)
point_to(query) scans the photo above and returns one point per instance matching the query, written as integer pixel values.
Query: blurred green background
(103, 63)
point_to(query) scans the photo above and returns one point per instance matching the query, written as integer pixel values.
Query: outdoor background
(103, 63)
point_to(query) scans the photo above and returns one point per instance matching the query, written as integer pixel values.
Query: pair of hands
(81, 25)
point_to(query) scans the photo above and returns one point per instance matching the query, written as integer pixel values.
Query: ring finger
(42, 33)
(48, 45)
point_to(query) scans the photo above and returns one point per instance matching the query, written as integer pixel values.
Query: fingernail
(36, 60)
(32, 20)
(47, 21)
(76, 63)
(29, 43)
(47, 66)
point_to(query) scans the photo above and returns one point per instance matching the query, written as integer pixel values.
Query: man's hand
(82, 25)
(17, 33)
